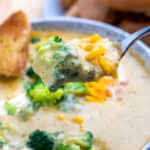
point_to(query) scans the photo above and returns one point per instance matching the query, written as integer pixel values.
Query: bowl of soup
(110, 113)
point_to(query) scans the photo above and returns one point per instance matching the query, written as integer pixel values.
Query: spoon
(131, 39)
(146, 147)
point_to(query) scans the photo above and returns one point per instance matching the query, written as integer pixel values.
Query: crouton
(14, 40)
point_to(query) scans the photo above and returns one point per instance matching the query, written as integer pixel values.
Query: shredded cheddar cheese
(61, 117)
(35, 34)
(79, 120)
(98, 91)
(86, 46)
(108, 66)
(89, 43)
(94, 38)
(96, 54)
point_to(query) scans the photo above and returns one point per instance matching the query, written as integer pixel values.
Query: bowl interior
(88, 26)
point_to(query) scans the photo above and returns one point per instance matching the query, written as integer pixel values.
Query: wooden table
(33, 8)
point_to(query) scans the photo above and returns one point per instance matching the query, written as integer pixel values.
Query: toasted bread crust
(14, 40)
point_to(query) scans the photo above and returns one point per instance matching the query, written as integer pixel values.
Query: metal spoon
(131, 39)
(146, 147)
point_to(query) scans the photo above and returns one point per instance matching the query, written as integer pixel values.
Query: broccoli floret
(34, 40)
(56, 42)
(85, 141)
(33, 76)
(53, 42)
(77, 88)
(30, 73)
(40, 140)
(40, 94)
(66, 65)
(68, 147)
(58, 94)
(78, 142)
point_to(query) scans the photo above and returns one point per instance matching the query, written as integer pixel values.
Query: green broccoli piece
(58, 94)
(40, 94)
(53, 42)
(34, 40)
(68, 147)
(30, 73)
(2, 141)
(57, 39)
(77, 88)
(56, 42)
(40, 140)
(85, 141)
(66, 65)
(10, 108)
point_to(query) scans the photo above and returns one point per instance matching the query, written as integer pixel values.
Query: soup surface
(120, 123)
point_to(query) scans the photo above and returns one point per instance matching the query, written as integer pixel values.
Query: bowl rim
(89, 22)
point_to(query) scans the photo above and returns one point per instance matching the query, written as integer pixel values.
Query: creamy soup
(119, 123)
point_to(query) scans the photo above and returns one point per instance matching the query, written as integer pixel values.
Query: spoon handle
(131, 39)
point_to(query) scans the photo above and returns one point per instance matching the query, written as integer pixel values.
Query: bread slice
(14, 42)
